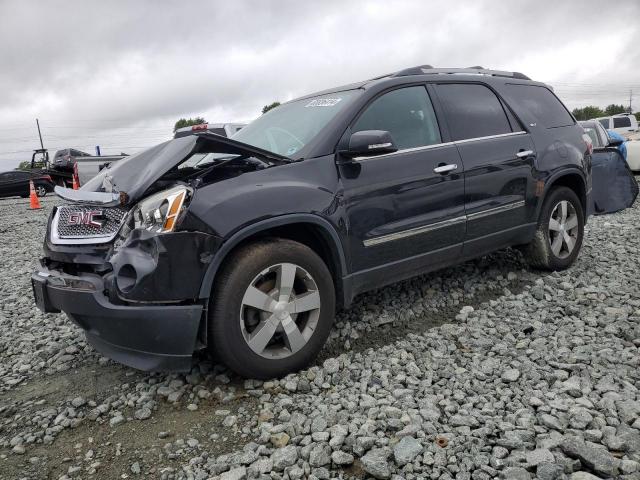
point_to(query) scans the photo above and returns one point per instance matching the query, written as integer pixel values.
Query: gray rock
(597, 459)
(406, 450)
(510, 375)
(513, 473)
(284, 457)
(239, 473)
(320, 455)
(116, 420)
(375, 464)
(583, 476)
(342, 458)
(549, 471)
(142, 414)
(541, 455)
(331, 365)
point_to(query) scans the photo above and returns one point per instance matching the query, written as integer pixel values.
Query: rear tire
(272, 309)
(41, 190)
(559, 233)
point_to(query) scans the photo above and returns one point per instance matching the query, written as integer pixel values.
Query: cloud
(85, 67)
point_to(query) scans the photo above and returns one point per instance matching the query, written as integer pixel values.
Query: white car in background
(623, 123)
(633, 155)
(600, 139)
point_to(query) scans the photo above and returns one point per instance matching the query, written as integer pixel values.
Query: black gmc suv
(247, 245)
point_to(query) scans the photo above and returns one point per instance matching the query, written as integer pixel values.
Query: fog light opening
(126, 278)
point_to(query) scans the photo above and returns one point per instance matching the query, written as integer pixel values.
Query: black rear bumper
(147, 337)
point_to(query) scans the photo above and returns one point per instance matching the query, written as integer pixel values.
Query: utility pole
(39, 134)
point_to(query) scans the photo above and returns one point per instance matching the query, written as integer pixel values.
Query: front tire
(272, 309)
(559, 233)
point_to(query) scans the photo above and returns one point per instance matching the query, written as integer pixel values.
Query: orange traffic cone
(75, 182)
(34, 203)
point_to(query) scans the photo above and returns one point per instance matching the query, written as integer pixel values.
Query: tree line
(188, 122)
(591, 111)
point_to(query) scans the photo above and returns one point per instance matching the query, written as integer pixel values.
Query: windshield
(288, 128)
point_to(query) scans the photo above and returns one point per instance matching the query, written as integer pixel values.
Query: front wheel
(559, 233)
(272, 309)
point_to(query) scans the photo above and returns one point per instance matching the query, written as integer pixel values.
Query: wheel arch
(572, 179)
(311, 230)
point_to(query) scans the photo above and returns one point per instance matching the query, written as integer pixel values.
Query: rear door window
(621, 122)
(406, 113)
(541, 103)
(473, 111)
(604, 122)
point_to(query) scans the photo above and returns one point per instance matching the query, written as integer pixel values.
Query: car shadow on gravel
(395, 330)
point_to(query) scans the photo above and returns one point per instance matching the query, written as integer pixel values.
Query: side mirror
(370, 142)
(614, 142)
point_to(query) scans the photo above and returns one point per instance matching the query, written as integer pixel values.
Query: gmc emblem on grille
(92, 218)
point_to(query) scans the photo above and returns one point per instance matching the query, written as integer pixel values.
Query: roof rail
(429, 70)
(419, 70)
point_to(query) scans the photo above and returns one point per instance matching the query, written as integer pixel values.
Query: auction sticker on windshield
(323, 102)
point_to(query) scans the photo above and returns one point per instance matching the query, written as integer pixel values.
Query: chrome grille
(110, 218)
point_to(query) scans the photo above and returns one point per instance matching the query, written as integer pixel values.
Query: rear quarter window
(541, 103)
(621, 122)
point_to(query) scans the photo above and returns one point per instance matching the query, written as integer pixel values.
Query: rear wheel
(560, 231)
(41, 190)
(272, 309)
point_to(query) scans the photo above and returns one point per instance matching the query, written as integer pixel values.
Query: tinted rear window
(473, 111)
(542, 103)
(621, 122)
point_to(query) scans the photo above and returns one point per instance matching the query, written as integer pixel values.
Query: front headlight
(160, 211)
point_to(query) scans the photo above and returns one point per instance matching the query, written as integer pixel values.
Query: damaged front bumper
(140, 307)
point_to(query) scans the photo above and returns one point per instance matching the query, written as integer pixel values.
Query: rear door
(404, 216)
(498, 156)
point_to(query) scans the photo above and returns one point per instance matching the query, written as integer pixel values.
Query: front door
(405, 210)
(498, 156)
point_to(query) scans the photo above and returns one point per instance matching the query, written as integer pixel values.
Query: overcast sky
(120, 73)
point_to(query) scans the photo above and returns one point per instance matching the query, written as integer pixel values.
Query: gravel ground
(486, 370)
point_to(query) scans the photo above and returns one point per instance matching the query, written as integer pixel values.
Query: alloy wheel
(563, 229)
(41, 191)
(280, 311)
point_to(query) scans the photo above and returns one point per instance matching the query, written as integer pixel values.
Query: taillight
(589, 142)
(202, 126)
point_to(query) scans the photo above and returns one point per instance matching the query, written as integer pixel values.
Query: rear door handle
(442, 168)
(524, 153)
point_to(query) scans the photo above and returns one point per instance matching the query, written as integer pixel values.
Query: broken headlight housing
(160, 211)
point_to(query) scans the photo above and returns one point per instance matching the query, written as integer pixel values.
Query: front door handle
(444, 168)
(524, 153)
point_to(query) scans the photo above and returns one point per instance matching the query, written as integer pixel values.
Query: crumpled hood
(127, 180)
